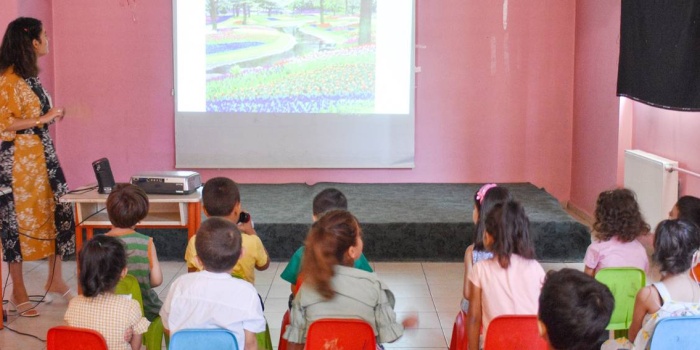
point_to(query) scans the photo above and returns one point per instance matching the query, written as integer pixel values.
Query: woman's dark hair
(617, 215)
(102, 260)
(17, 49)
(220, 196)
(509, 227)
(127, 205)
(326, 245)
(689, 209)
(575, 308)
(675, 242)
(494, 196)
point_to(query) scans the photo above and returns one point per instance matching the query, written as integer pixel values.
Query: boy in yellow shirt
(221, 198)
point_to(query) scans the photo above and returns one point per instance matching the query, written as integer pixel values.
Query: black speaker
(103, 173)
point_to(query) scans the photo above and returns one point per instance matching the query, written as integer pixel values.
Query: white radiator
(657, 189)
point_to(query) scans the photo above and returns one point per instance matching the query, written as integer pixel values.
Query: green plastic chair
(153, 338)
(264, 339)
(624, 283)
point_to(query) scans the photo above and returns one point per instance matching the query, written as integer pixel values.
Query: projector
(167, 182)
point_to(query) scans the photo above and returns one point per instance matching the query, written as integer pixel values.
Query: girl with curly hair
(618, 224)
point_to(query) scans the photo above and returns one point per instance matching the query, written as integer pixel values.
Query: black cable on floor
(25, 334)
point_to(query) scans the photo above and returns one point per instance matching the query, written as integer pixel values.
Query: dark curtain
(660, 53)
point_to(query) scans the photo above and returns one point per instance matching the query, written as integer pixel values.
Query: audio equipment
(103, 173)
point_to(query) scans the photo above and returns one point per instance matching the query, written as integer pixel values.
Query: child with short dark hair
(221, 198)
(127, 205)
(688, 208)
(328, 199)
(212, 297)
(118, 319)
(574, 310)
(618, 224)
(510, 282)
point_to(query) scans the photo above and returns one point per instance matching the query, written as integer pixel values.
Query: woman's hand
(53, 113)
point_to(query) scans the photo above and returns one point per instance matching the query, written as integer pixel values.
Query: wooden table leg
(78, 245)
(194, 218)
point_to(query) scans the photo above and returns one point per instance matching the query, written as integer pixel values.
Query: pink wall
(672, 135)
(596, 108)
(10, 11)
(601, 132)
(493, 103)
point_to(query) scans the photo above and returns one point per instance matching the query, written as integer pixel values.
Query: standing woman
(34, 224)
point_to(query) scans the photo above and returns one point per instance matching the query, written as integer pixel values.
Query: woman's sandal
(52, 296)
(25, 309)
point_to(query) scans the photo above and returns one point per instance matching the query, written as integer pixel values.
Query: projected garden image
(290, 56)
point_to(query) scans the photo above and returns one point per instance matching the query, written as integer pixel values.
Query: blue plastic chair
(676, 333)
(203, 339)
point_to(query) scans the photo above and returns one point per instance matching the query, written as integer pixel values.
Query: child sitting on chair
(127, 205)
(334, 288)
(220, 197)
(324, 201)
(676, 244)
(118, 319)
(510, 282)
(688, 208)
(618, 224)
(213, 298)
(487, 197)
(574, 310)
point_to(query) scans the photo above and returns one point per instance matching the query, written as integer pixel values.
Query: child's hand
(128, 334)
(411, 321)
(247, 227)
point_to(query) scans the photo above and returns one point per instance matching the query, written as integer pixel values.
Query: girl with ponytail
(332, 286)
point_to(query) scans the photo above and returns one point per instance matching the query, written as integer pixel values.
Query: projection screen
(294, 83)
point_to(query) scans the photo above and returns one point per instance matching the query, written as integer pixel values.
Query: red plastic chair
(695, 273)
(340, 333)
(514, 332)
(460, 339)
(74, 338)
(285, 322)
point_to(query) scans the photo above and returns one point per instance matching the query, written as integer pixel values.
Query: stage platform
(401, 222)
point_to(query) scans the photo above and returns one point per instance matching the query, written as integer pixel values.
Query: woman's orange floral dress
(34, 224)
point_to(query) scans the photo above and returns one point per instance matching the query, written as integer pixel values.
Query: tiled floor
(432, 290)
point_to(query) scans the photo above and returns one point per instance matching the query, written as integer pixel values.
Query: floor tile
(414, 305)
(430, 290)
(419, 338)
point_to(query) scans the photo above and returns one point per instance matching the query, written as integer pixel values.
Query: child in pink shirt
(510, 282)
(618, 223)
